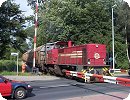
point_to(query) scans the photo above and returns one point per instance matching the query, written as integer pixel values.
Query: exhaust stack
(69, 43)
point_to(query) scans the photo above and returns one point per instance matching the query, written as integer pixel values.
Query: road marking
(54, 86)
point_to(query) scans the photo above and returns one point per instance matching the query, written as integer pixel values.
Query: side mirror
(5, 81)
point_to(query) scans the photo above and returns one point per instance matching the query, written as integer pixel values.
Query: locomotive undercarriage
(60, 69)
(57, 58)
(97, 70)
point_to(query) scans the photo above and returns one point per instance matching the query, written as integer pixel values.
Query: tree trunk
(127, 47)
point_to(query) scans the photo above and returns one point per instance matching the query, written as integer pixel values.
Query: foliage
(85, 21)
(122, 33)
(12, 29)
(7, 65)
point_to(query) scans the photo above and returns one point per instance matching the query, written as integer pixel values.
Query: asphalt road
(62, 89)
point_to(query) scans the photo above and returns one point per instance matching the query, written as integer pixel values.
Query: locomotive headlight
(88, 61)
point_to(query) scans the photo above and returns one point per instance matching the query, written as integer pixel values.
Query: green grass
(14, 73)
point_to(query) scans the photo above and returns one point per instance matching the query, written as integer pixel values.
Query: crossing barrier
(119, 70)
(108, 79)
(101, 78)
(75, 74)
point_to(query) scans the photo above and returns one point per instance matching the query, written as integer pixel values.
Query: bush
(8, 65)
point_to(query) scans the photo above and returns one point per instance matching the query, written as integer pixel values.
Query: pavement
(109, 96)
(34, 78)
(31, 78)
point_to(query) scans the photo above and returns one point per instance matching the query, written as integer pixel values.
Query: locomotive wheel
(94, 71)
(51, 71)
(106, 73)
(57, 70)
(92, 79)
(44, 69)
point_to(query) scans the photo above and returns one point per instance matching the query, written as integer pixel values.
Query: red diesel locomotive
(58, 57)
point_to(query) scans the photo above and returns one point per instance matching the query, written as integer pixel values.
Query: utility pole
(113, 50)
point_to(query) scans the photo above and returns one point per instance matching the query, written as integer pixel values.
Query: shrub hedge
(8, 65)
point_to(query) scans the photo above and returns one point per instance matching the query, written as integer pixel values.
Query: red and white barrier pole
(36, 26)
(108, 79)
(119, 70)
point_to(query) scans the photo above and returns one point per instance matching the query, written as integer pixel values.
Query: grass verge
(4, 73)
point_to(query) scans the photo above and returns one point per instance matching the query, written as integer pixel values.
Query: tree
(122, 33)
(86, 21)
(78, 20)
(12, 25)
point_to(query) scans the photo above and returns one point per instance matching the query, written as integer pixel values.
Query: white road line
(54, 86)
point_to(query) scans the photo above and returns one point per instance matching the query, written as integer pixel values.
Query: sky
(128, 1)
(1, 1)
(27, 9)
(24, 7)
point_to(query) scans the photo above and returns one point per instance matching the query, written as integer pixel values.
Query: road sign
(14, 54)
